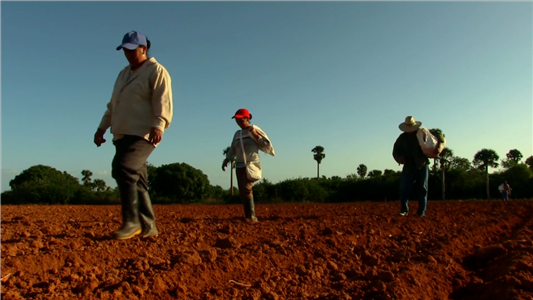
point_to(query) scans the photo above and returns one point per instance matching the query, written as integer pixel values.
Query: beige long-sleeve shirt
(141, 99)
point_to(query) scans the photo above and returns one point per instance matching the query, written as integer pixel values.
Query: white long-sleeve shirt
(251, 146)
(141, 100)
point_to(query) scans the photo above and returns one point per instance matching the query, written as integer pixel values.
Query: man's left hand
(155, 136)
(254, 133)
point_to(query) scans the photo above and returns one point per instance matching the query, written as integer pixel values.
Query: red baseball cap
(242, 113)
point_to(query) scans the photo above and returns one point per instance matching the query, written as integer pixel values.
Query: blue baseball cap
(132, 40)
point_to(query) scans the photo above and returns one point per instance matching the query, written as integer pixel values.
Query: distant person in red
(245, 146)
(138, 113)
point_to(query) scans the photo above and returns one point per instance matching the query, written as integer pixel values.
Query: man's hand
(224, 164)
(99, 137)
(254, 133)
(155, 136)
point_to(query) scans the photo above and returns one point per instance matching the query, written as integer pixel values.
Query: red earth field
(460, 250)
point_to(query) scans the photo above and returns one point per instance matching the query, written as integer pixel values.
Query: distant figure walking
(244, 150)
(407, 151)
(505, 189)
(138, 113)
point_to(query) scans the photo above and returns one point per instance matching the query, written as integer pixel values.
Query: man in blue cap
(135, 46)
(139, 111)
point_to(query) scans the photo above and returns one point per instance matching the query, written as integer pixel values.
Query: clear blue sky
(342, 75)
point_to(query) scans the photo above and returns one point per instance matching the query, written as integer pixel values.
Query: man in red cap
(244, 150)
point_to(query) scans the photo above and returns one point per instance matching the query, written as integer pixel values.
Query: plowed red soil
(460, 250)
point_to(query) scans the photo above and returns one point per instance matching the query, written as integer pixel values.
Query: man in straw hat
(407, 151)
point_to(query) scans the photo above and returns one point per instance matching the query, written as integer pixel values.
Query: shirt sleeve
(396, 150)
(105, 123)
(106, 119)
(161, 98)
(231, 153)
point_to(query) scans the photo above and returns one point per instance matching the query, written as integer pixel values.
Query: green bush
(264, 191)
(44, 184)
(181, 183)
(301, 190)
(8, 197)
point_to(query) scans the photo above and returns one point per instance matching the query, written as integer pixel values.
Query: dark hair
(148, 44)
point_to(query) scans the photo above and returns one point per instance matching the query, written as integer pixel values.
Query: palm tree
(225, 152)
(361, 170)
(513, 158)
(318, 156)
(375, 173)
(444, 160)
(86, 177)
(514, 155)
(100, 185)
(529, 162)
(484, 159)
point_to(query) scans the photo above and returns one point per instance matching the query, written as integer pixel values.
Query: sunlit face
(243, 122)
(135, 56)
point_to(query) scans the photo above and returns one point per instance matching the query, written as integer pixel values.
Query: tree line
(451, 177)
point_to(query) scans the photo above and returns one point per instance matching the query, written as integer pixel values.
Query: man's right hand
(99, 137)
(224, 164)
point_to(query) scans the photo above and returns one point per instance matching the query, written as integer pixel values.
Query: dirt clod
(227, 243)
(490, 252)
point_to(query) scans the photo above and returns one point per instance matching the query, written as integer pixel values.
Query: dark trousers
(130, 171)
(505, 195)
(418, 178)
(245, 186)
(246, 193)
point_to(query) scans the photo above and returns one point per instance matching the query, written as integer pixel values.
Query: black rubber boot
(251, 204)
(130, 214)
(146, 215)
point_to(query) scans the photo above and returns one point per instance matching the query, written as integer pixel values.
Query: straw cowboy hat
(410, 124)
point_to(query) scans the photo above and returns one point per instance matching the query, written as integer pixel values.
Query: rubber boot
(251, 204)
(146, 215)
(130, 214)
(246, 206)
